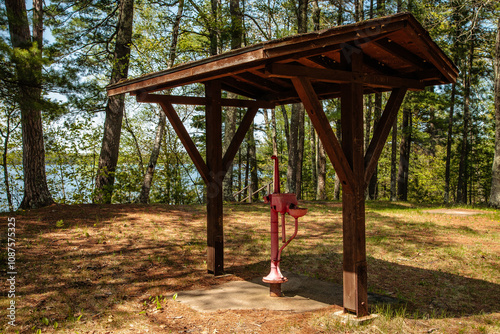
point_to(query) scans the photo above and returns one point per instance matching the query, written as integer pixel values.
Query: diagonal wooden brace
(186, 140)
(322, 125)
(382, 131)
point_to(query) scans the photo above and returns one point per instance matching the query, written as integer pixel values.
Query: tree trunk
(404, 156)
(229, 131)
(212, 29)
(230, 128)
(316, 14)
(448, 145)
(321, 185)
(340, 13)
(394, 156)
(153, 159)
(336, 189)
(251, 167)
(314, 154)
(286, 126)
(273, 132)
(373, 186)
(115, 106)
(136, 142)
(296, 137)
(495, 176)
(9, 129)
(464, 151)
(29, 73)
(160, 128)
(300, 152)
(291, 172)
(358, 13)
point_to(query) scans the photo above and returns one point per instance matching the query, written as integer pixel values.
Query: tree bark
(231, 112)
(296, 137)
(8, 131)
(373, 186)
(336, 189)
(153, 159)
(404, 156)
(273, 132)
(212, 29)
(340, 13)
(314, 153)
(251, 166)
(291, 172)
(463, 166)
(114, 109)
(448, 145)
(300, 152)
(321, 184)
(394, 156)
(29, 73)
(358, 11)
(162, 121)
(495, 175)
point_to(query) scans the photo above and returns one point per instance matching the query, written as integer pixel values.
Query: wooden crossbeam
(382, 131)
(400, 52)
(331, 144)
(238, 137)
(340, 76)
(193, 100)
(186, 140)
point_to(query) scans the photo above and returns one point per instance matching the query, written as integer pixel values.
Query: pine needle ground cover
(117, 268)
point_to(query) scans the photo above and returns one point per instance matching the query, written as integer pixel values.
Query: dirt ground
(118, 269)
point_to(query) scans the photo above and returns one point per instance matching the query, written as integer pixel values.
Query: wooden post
(353, 203)
(215, 232)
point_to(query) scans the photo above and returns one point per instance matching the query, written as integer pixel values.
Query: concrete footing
(352, 319)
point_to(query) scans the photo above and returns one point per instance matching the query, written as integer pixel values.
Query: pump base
(275, 290)
(275, 281)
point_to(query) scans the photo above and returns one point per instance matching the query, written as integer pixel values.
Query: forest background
(63, 140)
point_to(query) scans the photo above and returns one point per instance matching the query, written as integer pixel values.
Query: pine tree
(495, 179)
(27, 57)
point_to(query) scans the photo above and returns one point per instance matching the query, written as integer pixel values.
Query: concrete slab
(301, 294)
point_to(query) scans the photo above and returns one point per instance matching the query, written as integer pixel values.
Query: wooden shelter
(393, 53)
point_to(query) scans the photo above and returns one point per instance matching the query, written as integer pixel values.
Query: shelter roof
(397, 52)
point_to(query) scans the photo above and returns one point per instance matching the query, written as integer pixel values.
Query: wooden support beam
(215, 232)
(238, 137)
(382, 131)
(353, 203)
(186, 140)
(322, 125)
(340, 76)
(400, 52)
(201, 101)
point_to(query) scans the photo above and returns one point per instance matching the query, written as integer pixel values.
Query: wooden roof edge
(452, 72)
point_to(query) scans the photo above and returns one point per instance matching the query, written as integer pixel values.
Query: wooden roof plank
(194, 100)
(339, 76)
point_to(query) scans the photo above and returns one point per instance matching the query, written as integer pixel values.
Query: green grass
(443, 269)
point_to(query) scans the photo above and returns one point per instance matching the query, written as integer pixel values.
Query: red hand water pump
(280, 204)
